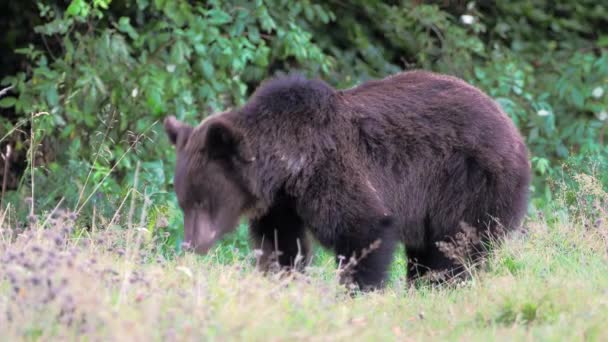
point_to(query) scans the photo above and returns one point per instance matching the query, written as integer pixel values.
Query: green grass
(114, 284)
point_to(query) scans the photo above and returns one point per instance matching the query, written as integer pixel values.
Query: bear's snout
(199, 232)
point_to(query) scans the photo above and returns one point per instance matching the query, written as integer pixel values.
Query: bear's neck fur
(293, 120)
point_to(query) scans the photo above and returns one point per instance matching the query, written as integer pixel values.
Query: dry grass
(57, 283)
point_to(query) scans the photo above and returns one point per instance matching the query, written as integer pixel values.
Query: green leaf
(124, 25)
(577, 97)
(254, 34)
(238, 28)
(7, 102)
(155, 102)
(308, 13)
(180, 52)
(218, 17)
(58, 120)
(74, 7)
(207, 69)
(104, 4)
(562, 150)
(154, 172)
(52, 97)
(78, 8)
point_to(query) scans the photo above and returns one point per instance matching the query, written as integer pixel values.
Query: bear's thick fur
(409, 159)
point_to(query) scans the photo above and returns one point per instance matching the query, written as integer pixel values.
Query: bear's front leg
(281, 237)
(365, 258)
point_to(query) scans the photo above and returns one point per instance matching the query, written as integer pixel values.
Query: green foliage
(546, 65)
(117, 77)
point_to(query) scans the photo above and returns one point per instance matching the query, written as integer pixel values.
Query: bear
(413, 158)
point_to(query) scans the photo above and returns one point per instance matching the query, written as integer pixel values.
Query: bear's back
(436, 112)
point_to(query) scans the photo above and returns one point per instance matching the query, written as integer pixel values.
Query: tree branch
(6, 90)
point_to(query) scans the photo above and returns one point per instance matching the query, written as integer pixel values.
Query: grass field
(58, 282)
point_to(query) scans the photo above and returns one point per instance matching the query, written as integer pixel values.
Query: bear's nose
(186, 246)
(200, 248)
(200, 232)
(204, 240)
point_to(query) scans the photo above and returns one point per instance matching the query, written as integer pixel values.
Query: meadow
(90, 229)
(548, 281)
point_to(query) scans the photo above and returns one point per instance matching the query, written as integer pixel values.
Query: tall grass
(58, 281)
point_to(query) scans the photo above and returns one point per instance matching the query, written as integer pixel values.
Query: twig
(46, 45)
(144, 210)
(32, 161)
(3, 215)
(132, 208)
(6, 90)
(7, 162)
(349, 268)
(117, 212)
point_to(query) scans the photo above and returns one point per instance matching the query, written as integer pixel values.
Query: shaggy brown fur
(404, 159)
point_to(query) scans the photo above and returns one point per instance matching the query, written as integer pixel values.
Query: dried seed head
(36, 281)
(11, 257)
(58, 241)
(12, 278)
(32, 219)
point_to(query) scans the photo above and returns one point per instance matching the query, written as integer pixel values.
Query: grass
(551, 284)
(60, 282)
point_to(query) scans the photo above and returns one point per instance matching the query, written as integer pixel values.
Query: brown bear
(408, 158)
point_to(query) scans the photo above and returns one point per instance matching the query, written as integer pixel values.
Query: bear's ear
(175, 128)
(224, 141)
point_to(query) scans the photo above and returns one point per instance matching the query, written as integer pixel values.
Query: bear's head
(209, 178)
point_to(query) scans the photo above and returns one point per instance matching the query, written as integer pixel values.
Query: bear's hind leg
(435, 264)
(281, 236)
